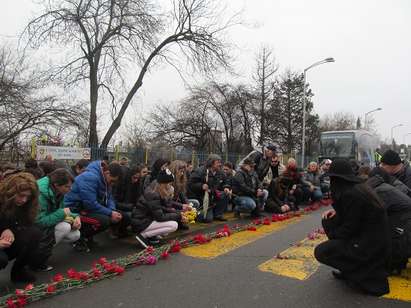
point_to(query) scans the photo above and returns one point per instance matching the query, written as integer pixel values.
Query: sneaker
(22, 276)
(142, 241)
(92, 243)
(81, 246)
(42, 268)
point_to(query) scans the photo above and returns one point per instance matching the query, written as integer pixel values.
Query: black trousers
(93, 223)
(26, 241)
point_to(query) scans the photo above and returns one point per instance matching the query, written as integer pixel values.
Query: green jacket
(50, 213)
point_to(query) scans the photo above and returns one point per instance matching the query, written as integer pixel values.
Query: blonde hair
(312, 163)
(11, 187)
(180, 179)
(164, 190)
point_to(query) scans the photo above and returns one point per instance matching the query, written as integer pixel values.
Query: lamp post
(367, 113)
(392, 133)
(327, 60)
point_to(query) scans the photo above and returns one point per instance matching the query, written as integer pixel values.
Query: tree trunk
(93, 137)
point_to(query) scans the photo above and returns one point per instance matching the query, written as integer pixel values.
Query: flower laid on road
(103, 268)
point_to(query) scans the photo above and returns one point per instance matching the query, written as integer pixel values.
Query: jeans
(160, 228)
(244, 204)
(315, 195)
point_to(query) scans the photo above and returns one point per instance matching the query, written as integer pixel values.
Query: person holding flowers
(149, 219)
(56, 221)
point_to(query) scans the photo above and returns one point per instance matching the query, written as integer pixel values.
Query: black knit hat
(391, 158)
(271, 147)
(165, 176)
(341, 168)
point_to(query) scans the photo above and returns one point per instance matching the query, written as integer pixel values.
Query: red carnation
(252, 229)
(165, 255)
(58, 278)
(119, 270)
(257, 222)
(21, 301)
(29, 287)
(73, 274)
(266, 221)
(97, 274)
(102, 261)
(10, 303)
(19, 292)
(84, 276)
(175, 248)
(150, 249)
(51, 288)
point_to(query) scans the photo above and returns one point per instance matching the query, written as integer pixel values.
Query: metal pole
(303, 138)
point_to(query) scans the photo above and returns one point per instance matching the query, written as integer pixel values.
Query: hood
(95, 168)
(43, 184)
(375, 181)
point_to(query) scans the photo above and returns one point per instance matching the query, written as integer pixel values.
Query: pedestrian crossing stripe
(221, 246)
(298, 262)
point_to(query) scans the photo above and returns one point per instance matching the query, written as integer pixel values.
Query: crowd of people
(46, 204)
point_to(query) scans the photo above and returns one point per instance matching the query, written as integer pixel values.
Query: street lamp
(403, 138)
(327, 60)
(367, 113)
(392, 133)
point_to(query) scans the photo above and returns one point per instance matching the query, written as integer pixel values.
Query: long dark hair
(340, 186)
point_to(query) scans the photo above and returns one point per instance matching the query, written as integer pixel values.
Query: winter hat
(248, 161)
(341, 168)
(271, 147)
(391, 158)
(165, 176)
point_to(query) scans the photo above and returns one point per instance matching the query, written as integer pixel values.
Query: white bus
(350, 144)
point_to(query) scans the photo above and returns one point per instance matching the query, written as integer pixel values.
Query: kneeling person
(91, 196)
(249, 195)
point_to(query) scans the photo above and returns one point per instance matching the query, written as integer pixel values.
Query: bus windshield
(337, 145)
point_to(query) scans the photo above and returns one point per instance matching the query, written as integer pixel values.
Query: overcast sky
(370, 40)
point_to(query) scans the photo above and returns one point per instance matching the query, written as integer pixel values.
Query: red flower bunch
(257, 222)
(97, 273)
(10, 303)
(251, 228)
(73, 274)
(84, 276)
(51, 288)
(16, 303)
(58, 278)
(165, 255)
(176, 247)
(150, 260)
(102, 261)
(200, 239)
(266, 221)
(29, 287)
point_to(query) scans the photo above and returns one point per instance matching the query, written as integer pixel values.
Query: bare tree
(338, 121)
(108, 34)
(266, 67)
(23, 106)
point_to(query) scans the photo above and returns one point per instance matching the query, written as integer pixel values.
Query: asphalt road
(229, 280)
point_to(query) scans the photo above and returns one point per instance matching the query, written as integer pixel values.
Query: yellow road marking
(218, 247)
(400, 286)
(296, 262)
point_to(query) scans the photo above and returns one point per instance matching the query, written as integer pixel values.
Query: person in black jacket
(279, 200)
(398, 207)
(401, 170)
(248, 191)
(211, 179)
(359, 241)
(19, 238)
(149, 220)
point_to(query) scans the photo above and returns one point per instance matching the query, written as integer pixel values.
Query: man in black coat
(359, 244)
(401, 170)
(249, 194)
(398, 207)
(209, 178)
